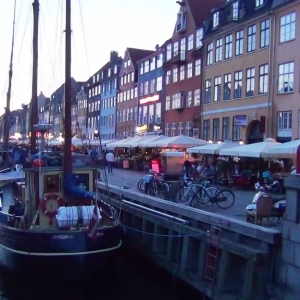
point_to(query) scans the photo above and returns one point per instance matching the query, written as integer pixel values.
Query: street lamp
(96, 133)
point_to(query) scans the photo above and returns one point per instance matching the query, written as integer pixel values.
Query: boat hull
(64, 255)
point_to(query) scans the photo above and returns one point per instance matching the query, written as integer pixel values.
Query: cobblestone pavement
(129, 178)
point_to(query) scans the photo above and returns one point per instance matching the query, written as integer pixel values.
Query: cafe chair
(263, 210)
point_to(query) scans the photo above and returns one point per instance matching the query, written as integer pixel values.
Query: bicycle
(192, 193)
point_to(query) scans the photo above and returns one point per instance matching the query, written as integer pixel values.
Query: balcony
(179, 59)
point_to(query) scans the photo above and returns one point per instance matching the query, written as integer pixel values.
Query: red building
(127, 99)
(183, 68)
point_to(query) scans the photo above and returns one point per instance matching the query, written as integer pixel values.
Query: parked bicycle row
(190, 192)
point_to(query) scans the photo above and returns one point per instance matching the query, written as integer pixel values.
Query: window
(239, 42)
(238, 76)
(217, 91)
(168, 77)
(190, 42)
(145, 114)
(146, 66)
(152, 64)
(206, 130)
(181, 21)
(188, 125)
(250, 73)
(228, 46)
(182, 49)
(207, 98)
(159, 60)
(259, 2)
(263, 79)
(196, 133)
(189, 70)
(251, 38)
(152, 86)
(286, 78)
(167, 129)
(175, 49)
(199, 36)
(226, 128)
(287, 27)
(135, 92)
(173, 129)
(177, 100)
(158, 113)
(219, 44)
(284, 120)
(197, 67)
(197, 97)
(235, 11)
(146, 88)
(180, 128)
(168, 102)
(227, 87)
(151, 114)
(141, 69)
(210, 51)
(264, 33)
(236, 132)
(216, 19)
(189, 99)
(182, 72)
(175, 75)
(159, 83)
(132, 76)
(169, 52)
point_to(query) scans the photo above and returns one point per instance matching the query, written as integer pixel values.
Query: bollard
(298, 160)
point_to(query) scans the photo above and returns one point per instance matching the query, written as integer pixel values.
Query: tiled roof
(138, 54)
(201, 9)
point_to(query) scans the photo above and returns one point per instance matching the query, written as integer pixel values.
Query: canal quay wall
(286, 283)
(176, 237)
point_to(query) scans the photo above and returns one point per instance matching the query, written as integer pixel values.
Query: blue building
(150, 93)
(109, 75)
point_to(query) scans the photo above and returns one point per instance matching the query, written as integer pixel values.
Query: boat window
(51, 183)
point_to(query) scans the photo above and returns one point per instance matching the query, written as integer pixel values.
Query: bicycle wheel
(141, 186)
(224, 198)
(183, 195)
(151, 189)
(163, 191)
(208, 194)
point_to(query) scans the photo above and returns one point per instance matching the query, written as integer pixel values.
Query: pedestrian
(110, 159)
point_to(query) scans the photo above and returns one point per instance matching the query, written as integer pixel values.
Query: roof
(277, 3)
(201, 9)
(138, 54)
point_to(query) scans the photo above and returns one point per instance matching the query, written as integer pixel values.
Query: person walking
(110, 159)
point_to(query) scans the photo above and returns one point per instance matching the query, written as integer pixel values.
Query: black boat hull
(65, 255)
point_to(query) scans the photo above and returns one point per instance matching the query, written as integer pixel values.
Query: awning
(180, 141)
(285, 150)
(150, 139)
(212, 148)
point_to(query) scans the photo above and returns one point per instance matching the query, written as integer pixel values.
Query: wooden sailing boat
(50, 224)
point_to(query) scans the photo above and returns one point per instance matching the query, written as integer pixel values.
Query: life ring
(51, 213)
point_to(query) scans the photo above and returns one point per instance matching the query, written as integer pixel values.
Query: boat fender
(51, 213)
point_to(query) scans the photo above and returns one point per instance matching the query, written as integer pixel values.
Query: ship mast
(67, 159)
(34, 98)
(8, 95)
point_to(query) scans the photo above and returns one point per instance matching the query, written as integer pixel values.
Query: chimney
(113, 57)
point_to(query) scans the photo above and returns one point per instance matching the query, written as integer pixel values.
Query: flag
(92, 231)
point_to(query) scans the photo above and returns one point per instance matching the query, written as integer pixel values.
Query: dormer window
(216, 20)
(235, 11)
(181, 21)
(115, 69)
(259, 3)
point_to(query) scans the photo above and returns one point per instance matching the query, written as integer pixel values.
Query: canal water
(135, 279)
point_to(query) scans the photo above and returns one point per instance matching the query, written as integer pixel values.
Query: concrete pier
(177, 240)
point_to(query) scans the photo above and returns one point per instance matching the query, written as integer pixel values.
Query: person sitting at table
(267, 176)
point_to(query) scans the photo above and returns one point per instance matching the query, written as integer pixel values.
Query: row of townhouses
(230, 71)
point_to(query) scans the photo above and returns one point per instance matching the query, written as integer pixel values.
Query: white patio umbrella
(149, 139)
(212, 148)
(250, 150)
(131, 142)
(285, 150)
(119, 143)
(180, 141)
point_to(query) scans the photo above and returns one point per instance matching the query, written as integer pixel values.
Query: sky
(98, 27)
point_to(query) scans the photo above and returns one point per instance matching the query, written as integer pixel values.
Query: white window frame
(288, 27)
(286, 75)
(189, 72)
(216, 19)
(190, 42)
(284, 120)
